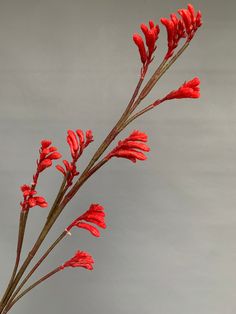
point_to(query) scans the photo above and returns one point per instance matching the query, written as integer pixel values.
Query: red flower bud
(32, 202)
(46, 163)
(72, 141)
(52, 149)
(54, 155)
(89, 137)
(140, 44)
(93, 230)
(67, 165)
(80, 134)
(61, 169)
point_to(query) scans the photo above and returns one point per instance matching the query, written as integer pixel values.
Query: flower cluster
(184, 27)
(95, 215)
(47, 153)
(151, 36)
(189, 89)
(131, 148)
(30, 200)
(77, 142)
(80, 259)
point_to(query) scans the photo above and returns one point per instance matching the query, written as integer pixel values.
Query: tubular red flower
(140, 44)
(93, 230)
(46, 163)
(95, 215)
(190, 89)
(54, 156)
(80, 135)
(89, 137)
(61, 169)
(80, 259)
(73, 142)
(131, 148)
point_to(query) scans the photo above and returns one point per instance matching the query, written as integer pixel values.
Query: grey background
(170, 243)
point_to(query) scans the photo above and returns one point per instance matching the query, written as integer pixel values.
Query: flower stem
(62, 235)
(21, 233)
(56, 270)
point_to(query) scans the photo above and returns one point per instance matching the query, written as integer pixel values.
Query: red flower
(95, 215)
(181, 28)
(151, 35)
(189, 89)
(80, 259)
(131, 148)
(140, 44)
(77, 142)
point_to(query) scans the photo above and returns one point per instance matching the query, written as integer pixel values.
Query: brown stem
(141, 112)
(50, 221)
(21, 233)
(56, 270)
(63, 234)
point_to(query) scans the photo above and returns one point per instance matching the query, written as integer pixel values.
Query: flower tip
(151, 24)
(45, 143)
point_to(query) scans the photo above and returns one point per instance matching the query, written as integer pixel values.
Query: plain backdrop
(170, 245)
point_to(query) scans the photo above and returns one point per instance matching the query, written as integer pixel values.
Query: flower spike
(47, 154)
